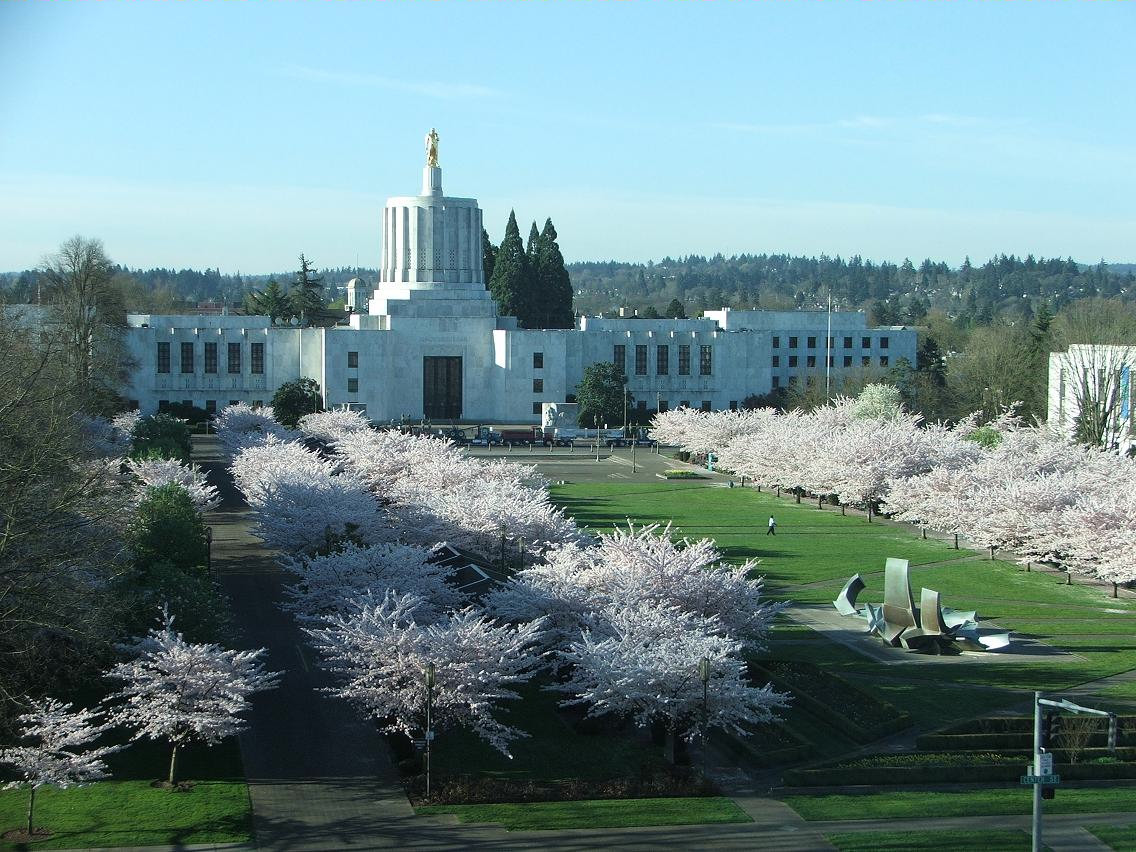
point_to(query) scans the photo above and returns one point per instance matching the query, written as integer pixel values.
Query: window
(733, 405)
(352, 360)
(832, 360)
(662, 360)
(776, 341)
(187, 357)
(705, 360)
(664, 405)
(641, 359)
(883, 360)
(865, 343)
(233, 401)
(848, 343)
(832, 343)
(163, 405)
(257, 403)
(210, 407)
(705, 405)
(641, 405)
(683, 359)
(776, 381)
(811, 361)
(538, 385)
(132, 405)
(234, 357)
(163, 357)
(684, 403)
(883, 343)
(353, 385)
(847, 360)
(211, 357)
(792, 360)
(792, 343)
(812, 343)
(776, 360)
(256, 356)
(536, 408)
(187, 403)
(538, 363)
(619, 358)
(866, 361)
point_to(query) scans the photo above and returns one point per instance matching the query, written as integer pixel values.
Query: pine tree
(675, 310)
(488, 256)
(532, 304)
(307, 292)
(510, 271)
(554, 286)
(272, 302)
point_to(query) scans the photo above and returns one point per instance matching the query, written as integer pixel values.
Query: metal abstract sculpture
(928, 629)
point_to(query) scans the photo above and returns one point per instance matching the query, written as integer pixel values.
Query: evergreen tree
(675, 310)
(296, 398)
(554, 285)
(601, 395)
(488, 256)
(307, 292)
(272, 302)
(510, 271)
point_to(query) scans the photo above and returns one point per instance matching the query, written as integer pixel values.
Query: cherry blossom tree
(153, 473)
(333, 424)
(59, 752)
(110, 438)
(380, 654)
(241, 425)
(303, 503)
(647, 667)
(182, 692)
(327, 584)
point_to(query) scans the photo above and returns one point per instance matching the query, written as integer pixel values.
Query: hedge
(890, 719)
(1003, 742)
(746, 749)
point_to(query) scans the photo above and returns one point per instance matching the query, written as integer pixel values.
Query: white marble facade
(396, 356)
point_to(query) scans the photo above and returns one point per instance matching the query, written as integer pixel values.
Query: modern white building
(430, 344)
(1094, 375)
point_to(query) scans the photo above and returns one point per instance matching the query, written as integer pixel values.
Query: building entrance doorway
(442, 387)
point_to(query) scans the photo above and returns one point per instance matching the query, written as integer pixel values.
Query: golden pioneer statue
(432, 148)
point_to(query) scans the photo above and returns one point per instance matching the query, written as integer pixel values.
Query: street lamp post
(704, 676)
(429, 720)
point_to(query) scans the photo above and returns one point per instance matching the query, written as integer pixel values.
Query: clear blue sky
(238, 134)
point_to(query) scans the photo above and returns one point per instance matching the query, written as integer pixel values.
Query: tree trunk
(659, 732)
(31, 812)
(1114, 590)
(1068, 578)
(173, 764)
(869, 513)
(924, 533)
(820, 501)
(991, 554)
(680, 750)
(956, 541)
(798, 493)
(1029, 567)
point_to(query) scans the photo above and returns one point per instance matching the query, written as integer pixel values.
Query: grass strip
(871, 841)
(912, 804)
(1122, 838)
(611, 813)
(132, 813)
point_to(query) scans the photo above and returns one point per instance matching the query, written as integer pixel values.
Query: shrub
(682, 474)
(167, 527)
(162, 436)
(293, 400)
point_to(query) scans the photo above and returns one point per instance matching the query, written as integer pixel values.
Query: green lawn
(1122, 838)
(987, 841)
(127, 811)
(905, 804)
(612, 813)
(815, 551)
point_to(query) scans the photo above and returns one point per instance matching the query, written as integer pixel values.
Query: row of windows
(210, 404)
(811, 360)
(811, 342)
(663, 359)
(256, 356)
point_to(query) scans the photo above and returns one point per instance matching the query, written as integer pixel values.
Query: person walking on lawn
(772, 526)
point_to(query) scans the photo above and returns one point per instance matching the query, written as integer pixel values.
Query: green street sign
(1041, 779)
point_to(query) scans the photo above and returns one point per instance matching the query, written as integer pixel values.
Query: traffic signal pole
(1043, 769)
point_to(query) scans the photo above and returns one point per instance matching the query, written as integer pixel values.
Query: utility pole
(1043, 776)
(429, 714)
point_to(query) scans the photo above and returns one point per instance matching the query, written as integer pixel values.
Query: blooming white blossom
(110, 438)
(182, 692)
(331, 425)
(241, 425)
(380, 654)
(58, 752)
(646, 666)
(327, 584)
(154, 473)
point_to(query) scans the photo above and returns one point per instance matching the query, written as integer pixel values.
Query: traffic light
(1048, 791)
(1048, 723)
